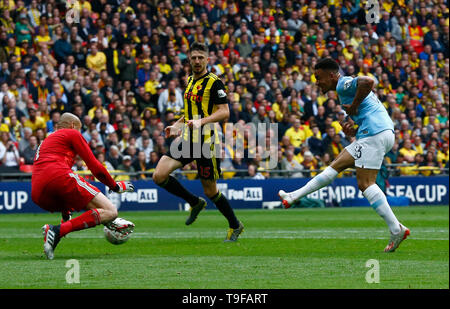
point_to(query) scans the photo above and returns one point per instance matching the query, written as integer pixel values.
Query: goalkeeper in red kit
(56, 188)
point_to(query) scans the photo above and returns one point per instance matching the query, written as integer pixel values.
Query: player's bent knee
(209, 188)
(363, 185)
(155, 177)
(210, 192)
(366, 178)
(343, 161)
(113, 213)
(159, 177)
(108, 215)
(104, 206)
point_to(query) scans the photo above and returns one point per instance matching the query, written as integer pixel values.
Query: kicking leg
(367, 184)
(343, 161)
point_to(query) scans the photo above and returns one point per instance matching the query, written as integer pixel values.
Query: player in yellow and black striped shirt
(205, 104)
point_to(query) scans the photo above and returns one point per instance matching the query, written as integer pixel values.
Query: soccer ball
(118, 231)
(115, 237)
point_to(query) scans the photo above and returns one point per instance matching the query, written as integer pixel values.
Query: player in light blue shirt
(370, 116)
(374, 138)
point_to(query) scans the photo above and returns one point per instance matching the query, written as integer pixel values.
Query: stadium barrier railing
(397, 169)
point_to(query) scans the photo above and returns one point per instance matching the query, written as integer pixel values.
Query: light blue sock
(379, 202)
(318, 182)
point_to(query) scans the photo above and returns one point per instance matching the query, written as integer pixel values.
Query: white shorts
(369, 152)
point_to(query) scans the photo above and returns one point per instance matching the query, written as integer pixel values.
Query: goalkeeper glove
(121, 225)
(123, 186)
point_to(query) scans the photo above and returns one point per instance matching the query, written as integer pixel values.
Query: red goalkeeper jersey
(56, 156)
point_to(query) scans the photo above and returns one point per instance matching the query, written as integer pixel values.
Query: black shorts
(207, 167)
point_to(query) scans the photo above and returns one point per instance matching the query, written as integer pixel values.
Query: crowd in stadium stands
(121, 66)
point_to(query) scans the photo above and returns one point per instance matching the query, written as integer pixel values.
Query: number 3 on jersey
(358, 152)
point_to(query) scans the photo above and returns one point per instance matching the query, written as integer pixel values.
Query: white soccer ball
(115, 237)
(118, 231)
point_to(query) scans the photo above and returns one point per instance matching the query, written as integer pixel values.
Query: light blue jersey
(372, 117)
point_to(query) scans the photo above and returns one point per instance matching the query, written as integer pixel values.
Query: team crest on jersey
(199, 87)
(347, 84)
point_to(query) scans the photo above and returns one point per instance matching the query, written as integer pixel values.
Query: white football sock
(318, 182)
(379, 202)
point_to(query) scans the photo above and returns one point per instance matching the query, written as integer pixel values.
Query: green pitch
(293, 249)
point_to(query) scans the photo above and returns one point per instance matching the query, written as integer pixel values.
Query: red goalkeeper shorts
(69, 192)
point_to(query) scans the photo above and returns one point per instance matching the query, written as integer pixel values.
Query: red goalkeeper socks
(86, 220)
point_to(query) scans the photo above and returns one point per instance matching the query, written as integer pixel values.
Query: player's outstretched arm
(222, 113)
(98, 170)
(364, 87)
(175, 129)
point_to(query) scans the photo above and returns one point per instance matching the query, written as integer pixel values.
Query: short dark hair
(199, 46)
(327, 64)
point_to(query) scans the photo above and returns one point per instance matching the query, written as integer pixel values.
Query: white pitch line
(247, 237)
(255, 234)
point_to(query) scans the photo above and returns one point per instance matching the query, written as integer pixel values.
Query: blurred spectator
(101, 157)
(104, 125)
(96, 60)
(62, 47)
(298, 133)
(239, 164)
(314, 142)
(126, 165)
(29, 152)
(25, 140)
(309, 163)
(261, 117)
(413, 169)
(154, 159)
(290, 164)
(113, 156)
(54, 118)
(125, 65)
(140, 164)
(418, 146)
(170, 99)
(9, 155)
(98, 105)
(23, 30)
(34, 121)
(407, 152)
(253, 172)
(332, 142)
